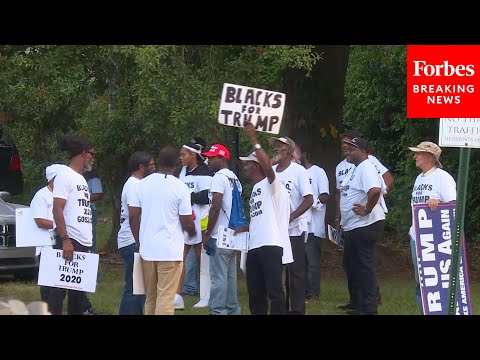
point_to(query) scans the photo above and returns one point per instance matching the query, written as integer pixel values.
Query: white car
(19, 261)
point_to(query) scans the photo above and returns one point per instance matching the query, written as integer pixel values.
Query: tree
(375, 92)
(128, 98)
(315, 105)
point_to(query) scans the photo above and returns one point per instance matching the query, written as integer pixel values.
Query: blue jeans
(190, 281)
(130, 304)
(418, 294)
(223, 288)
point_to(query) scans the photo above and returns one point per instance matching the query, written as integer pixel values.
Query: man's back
(162, 198)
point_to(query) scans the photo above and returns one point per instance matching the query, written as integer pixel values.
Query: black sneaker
(347, 306)
(89, 311)
(353, 312)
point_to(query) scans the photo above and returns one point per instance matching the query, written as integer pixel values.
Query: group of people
(171, 217)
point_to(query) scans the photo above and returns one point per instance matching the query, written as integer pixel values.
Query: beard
(87, 167)
(278, 157)
(147, 172)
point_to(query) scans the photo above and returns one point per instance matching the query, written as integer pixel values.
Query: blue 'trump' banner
(434, 234)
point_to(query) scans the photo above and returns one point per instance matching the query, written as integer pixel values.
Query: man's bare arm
(213, 214)
(188, 225)
(134, 216)
(44, 223)
(304, 206)
(67, 246)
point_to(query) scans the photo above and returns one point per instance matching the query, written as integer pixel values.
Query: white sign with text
(27, 231)
(79, 274)
(263, 108)
(227, 240)
(459, 132)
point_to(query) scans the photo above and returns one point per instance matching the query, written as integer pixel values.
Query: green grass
(397, 294)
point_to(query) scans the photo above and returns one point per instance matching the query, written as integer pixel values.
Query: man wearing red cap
(223, 262)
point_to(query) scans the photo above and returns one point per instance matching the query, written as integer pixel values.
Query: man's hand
(433, 204)
(241, 229)
(67, 250)
(337, 224)
(250, 131)
(205, 237)
(360, 210)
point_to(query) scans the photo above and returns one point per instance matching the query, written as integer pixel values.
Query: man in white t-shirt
(296, 180)
(159, 213)
(432, 187)
(41, 206)
(341, 171)
(344, 167)
(363, 220)
(269, 245)
(223, 262)
(73, 216)
(316, 227)
(140, 165)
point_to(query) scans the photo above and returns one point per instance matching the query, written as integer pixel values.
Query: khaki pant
(161, 280)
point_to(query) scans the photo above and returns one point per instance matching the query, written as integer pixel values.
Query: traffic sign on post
(459, 132)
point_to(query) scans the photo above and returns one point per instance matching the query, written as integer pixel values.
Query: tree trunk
(314, 109)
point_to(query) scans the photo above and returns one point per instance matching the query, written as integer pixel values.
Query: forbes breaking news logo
(442, 81)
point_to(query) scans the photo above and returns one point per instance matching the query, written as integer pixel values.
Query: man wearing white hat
(41, 206)
(269, 245)
(433, 186)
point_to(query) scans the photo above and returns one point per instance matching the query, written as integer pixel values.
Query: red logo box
(443, 81)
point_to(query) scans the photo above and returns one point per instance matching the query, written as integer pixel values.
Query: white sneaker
(201, 304)
(178, 303)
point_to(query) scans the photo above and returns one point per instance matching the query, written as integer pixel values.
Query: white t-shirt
(42, 206)
(354, 191)
(436, 185)
(269, 216)
(72, 187)
(295, 178)
(222, 182)
(196, 181)
(344, 167)
(320, 185)
(162, 198)
(125, 236)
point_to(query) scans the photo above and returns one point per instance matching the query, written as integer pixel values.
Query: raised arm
(262, 156)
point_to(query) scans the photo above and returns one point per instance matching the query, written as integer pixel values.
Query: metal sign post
(459, 222)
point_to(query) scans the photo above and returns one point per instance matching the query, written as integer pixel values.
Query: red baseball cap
(218, 150)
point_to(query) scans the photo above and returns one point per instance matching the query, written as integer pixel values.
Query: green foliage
(375, 92)
(126, 98)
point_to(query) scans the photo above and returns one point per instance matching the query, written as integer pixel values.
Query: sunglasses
(91, 153)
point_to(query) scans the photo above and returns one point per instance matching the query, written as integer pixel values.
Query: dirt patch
(393, 261)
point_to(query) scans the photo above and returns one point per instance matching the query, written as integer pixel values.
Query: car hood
(7, 211)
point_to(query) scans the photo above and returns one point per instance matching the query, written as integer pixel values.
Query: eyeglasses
(91, 153)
